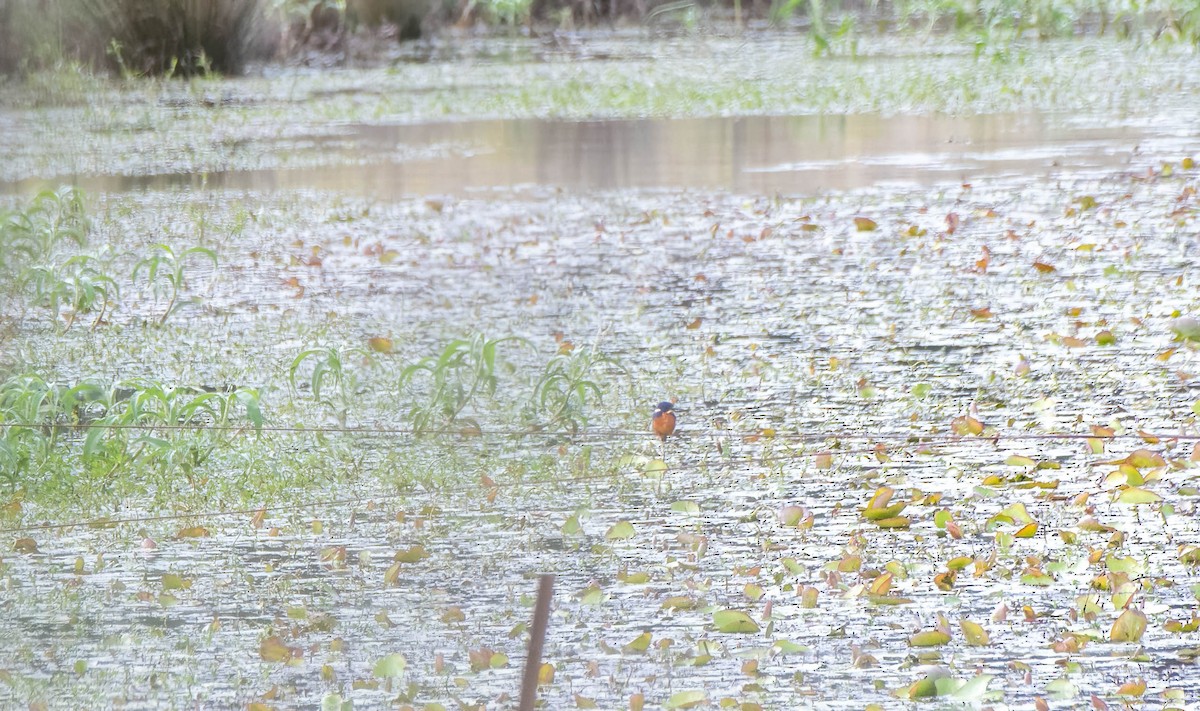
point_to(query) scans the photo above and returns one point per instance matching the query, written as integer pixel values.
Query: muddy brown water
(757, 155)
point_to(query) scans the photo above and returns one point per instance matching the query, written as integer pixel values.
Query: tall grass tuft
(176, 37)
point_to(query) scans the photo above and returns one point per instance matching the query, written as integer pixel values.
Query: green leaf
(390, 666)
(686, 699)
(929, 638)
(639, 644)
(785, 647)
(1134, 496)
(620, 531)
(734, 622)
(974, 689)
(925, 688)
(687, 507)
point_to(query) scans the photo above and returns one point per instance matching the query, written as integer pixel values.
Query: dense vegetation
(185, 37)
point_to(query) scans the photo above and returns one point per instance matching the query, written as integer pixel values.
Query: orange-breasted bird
(663, 422)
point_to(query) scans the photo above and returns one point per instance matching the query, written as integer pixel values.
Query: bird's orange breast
(663, 424)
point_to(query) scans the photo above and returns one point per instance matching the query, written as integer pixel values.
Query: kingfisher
(663, 422)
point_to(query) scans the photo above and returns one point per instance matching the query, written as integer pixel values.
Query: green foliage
(329, 373)
(567, 385)
(111, 428)
(508, 12)
(78, 286)
(33, 233)
(165, 266)
(465, 369)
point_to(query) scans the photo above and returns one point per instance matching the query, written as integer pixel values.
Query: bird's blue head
(664, 406)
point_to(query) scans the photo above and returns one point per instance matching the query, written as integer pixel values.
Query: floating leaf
(734, 622)
(1129, 627)
(974, 633)
(678, 602)
(687, 507)
(925, 688)
(620, 531)
(785, 647)
(272, 649)
(655, 466)
(390, 666)
(887, 512)
(171, 581)
(411, 555)
(1186, 328)
(791, 515)
(193, 532)
(974, 689)
(1037, 577)
(686, 699)
(1136, 687)
(638, 644)
(966, 425)
(929, 638)
(1029, 530)
(380, 344)
(1135, 496)
(865, 224)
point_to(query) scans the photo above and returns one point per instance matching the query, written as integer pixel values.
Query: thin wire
(110, 522)
(914, 437)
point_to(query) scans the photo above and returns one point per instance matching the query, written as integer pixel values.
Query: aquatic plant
(78, 286)
(163, 264)
(331, 382)
(32, 233)
(570, 382)
(464, 370)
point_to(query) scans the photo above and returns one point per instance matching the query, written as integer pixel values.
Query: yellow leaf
(974, 633)
(929, 638)
(1029, 530)
(379, 344)
(1129, 627)
(1136, 687)
(639, 644)
(1135, 495)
